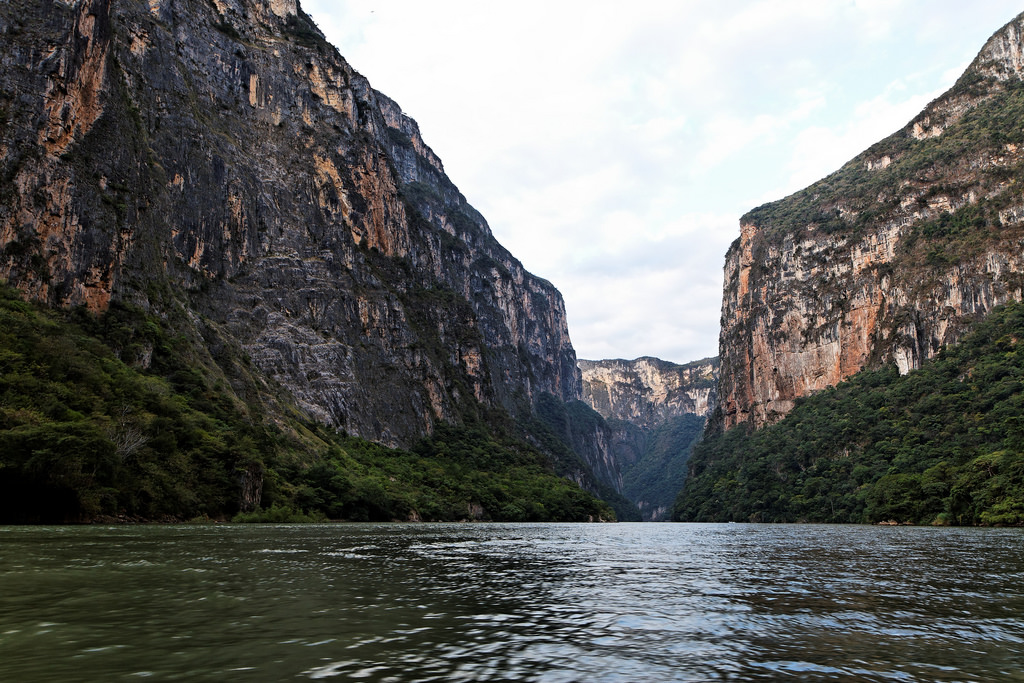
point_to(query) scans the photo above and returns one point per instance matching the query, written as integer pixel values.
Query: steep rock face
(588, 435)
(888, 259)
(648, 391)
(654, 411)
(222, 159)
(594, 444)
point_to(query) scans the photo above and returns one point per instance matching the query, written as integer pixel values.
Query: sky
(613, 146)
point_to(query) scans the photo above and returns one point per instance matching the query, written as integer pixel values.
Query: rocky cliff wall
(222, 159)
(654, 412)
(888, 259)
(648, 391)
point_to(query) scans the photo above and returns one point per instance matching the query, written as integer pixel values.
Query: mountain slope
(220, 160)
(85, 436)
(888, 259)
(216, 168)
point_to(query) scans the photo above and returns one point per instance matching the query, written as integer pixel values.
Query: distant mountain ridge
(647, 390)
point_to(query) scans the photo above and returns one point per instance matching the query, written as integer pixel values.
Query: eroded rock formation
(648, 391)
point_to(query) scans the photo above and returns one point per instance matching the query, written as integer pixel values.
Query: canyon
(218, 171)
(654, 413)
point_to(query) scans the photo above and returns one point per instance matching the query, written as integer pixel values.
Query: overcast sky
(613, 146)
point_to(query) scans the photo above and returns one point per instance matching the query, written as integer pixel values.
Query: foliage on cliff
(563, 429)
(888, 259)
(958, 191)
(979, 150)
(653, 480)
(941, 445)
(116, 416)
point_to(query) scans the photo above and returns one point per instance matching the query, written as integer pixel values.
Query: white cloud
(819, 149)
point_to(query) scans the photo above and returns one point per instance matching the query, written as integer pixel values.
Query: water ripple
(545, 603)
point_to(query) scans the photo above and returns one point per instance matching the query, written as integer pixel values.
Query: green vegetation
(656, 477)
(562, 430)
(459, 473)
(117, 416)
(941, 445)
(82, 434)
(932, 166)
(464, 472)
(225, 27)
(303, 30)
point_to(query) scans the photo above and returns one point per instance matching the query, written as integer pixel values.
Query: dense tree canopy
(116, 416)
(941, 445)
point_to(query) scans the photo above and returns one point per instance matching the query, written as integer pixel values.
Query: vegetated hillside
(654, 461)
(86, 436)
(941, 445)
(654, 412)
(221, 170)
(580, 441)
(888, 259)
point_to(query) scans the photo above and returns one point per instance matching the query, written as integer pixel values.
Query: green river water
(516, 602)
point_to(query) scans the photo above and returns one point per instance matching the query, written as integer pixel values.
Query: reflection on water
(552, 603)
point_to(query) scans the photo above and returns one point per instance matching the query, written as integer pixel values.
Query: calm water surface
(624, 602)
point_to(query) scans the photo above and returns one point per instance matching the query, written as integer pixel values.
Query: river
(516, 602)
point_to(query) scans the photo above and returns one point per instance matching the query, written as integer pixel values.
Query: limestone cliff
(220, 159)
(655, 412)
(648, 391)
(888, 259)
